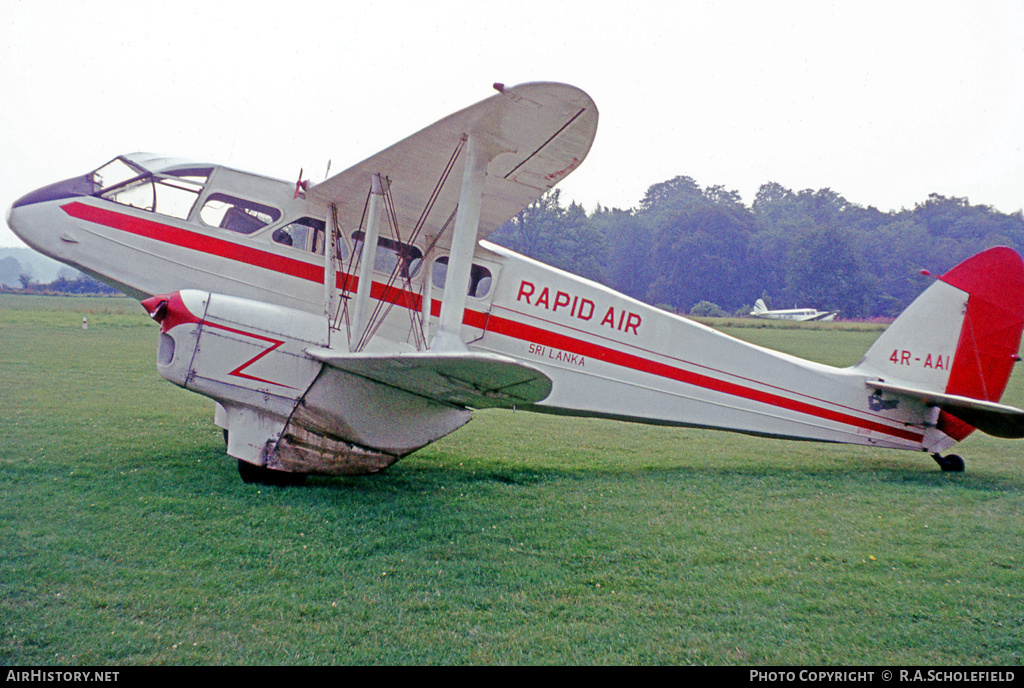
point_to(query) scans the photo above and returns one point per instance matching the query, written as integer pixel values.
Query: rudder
(991, 332)
(960, 336)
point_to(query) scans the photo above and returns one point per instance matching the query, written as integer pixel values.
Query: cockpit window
(237, 214)
(115, 173)
(171, 194)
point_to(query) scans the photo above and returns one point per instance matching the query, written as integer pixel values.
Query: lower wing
(475, 380)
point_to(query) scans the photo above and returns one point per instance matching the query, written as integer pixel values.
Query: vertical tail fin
(960, 337)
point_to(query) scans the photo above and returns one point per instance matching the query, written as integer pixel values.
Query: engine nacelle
(283, 409)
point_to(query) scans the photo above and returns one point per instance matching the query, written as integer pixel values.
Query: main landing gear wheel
(951, 463)
(261, 475)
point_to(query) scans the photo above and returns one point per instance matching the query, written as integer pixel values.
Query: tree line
(75, 283)
(687, 246)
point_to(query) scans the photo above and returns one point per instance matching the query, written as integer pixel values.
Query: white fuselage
(797, 314)
(608, 355)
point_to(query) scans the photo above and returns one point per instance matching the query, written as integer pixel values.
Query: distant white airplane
(342, 325)
(801, 314)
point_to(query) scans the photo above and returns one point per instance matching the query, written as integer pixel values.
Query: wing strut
(368, 259)
(331, 267)
(464, 239)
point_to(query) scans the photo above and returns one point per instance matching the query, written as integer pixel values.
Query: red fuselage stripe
(492, 323)
(518, 330)
(195, 241)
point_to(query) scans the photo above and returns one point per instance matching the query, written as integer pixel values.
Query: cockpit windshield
(172, 193)
(115, 173)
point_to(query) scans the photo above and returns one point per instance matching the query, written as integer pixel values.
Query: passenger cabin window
(392, 255)
(237, 214)
(173, 194)
(479, 277)
(307, 234)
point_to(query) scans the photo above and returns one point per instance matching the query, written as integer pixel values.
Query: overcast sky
(883, 102)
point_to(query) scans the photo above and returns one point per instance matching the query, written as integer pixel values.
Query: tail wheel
(952, 463)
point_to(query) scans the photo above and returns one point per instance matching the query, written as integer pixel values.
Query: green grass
(127, 537)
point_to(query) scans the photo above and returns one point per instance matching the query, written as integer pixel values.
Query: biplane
(341, 325)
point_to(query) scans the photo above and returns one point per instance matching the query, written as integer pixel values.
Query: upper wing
(546, 128)
(998, 420)
(476, 380)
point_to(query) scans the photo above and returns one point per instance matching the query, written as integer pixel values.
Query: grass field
(127, 537)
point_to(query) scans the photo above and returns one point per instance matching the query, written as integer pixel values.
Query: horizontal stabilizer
(476, 380)
(993, 419)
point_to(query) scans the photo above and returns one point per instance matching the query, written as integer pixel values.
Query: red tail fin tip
(991, 333)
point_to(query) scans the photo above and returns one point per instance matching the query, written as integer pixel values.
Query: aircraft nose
(68, 188)
(14, 221)
(28, 219)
